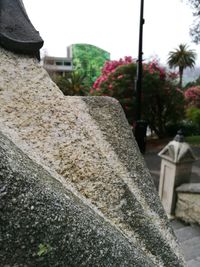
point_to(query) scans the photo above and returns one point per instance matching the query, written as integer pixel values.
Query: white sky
(112, 25)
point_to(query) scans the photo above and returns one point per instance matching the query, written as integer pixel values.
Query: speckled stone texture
(42, 223)
(88, 142)
(188, 203)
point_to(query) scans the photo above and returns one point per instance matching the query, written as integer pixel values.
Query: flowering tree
(110, 67)
(192, 96)
(161, 100)
(117, 80)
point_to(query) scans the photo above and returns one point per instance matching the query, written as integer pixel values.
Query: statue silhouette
(17, 33)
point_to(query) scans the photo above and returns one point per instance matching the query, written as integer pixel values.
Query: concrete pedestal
(177, 159)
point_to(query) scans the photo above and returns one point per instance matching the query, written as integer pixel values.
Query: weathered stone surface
(90, 144)
(43, 223)
(188, 204)
(189, 188)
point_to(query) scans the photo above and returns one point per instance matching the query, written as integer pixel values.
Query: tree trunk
(180, 77)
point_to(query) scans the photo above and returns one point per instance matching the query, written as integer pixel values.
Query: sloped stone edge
(44, 224)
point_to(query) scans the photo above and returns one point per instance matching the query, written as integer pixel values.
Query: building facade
(57, 65)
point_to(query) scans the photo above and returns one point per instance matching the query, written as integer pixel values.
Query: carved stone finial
(178, 151)
(17, 33)
(179, 137)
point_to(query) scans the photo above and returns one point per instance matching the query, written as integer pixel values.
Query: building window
(67, 63)
(59, 63)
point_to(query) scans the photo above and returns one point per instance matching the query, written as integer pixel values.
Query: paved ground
(188, 235)
(189, 239)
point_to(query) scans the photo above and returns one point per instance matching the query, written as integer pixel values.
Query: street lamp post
(141, 126)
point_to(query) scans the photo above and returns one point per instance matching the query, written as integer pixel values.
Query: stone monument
(75, 190)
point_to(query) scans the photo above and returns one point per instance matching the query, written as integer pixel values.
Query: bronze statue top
(17, 33)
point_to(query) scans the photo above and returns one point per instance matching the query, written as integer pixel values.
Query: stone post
(176, 164)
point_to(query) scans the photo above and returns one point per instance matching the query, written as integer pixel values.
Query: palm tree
(75, 81)
(182, 57)
(72, 83)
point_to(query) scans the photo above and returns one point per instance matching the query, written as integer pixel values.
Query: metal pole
(139, 64)
(141, 126)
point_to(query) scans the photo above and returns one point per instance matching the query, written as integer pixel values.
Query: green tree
(193, 114)
(162, 102)
(182, 58)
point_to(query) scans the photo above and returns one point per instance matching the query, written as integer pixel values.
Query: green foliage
(188, 127)
(89, 59)
(72, 83)
(193, 140)
(43, 249)
(193, 114)
(162, 103)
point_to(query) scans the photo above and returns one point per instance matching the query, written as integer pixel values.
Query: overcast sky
(112, 25)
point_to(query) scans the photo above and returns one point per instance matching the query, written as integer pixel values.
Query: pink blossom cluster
(110, 67)
(192, 96)
(154, 67)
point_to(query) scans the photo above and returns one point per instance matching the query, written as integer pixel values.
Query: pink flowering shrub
(192, 96)
(110, 67)
(117, 80)
(162, 101)
(154, 68)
